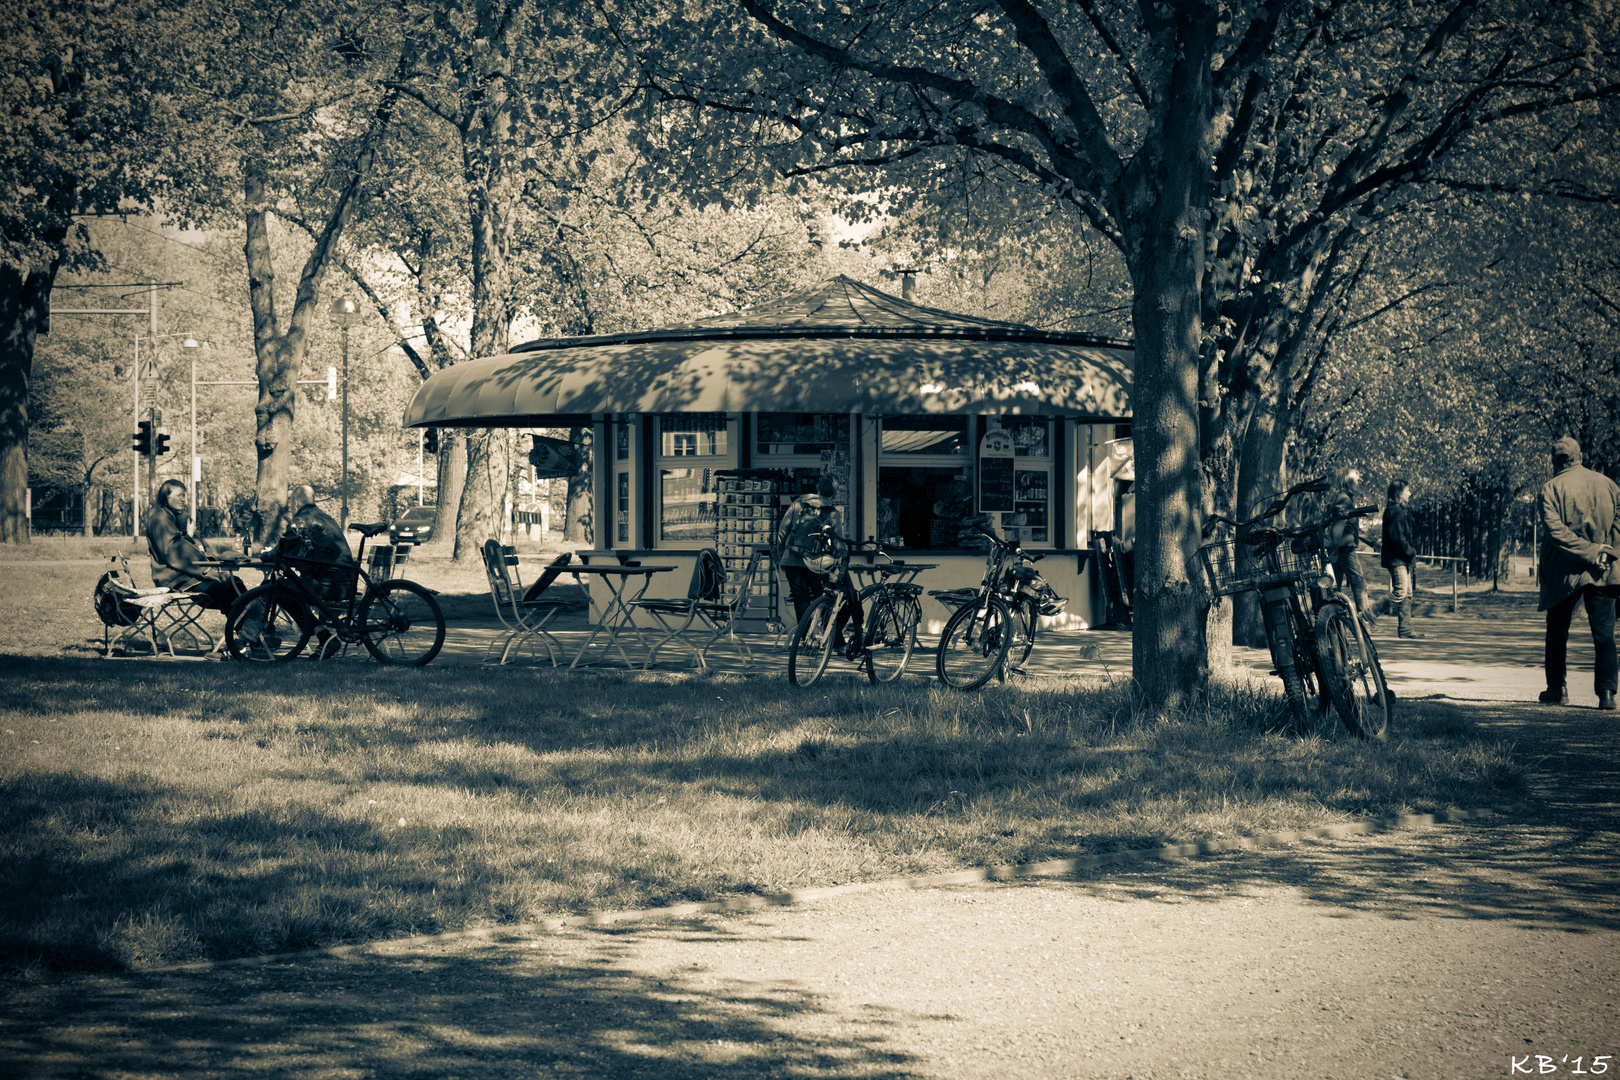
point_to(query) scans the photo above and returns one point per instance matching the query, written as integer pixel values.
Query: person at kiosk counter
(795, 540)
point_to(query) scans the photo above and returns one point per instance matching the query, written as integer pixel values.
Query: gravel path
(1448, 951)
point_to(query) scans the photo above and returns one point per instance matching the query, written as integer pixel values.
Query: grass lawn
(155, 813)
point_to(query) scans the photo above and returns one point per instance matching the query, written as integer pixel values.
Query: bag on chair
(111, 608)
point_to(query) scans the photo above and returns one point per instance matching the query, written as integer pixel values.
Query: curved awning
(843, 347)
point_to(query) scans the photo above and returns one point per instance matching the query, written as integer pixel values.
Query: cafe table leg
(616, 618)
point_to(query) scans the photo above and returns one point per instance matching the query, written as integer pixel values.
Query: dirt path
(1450, 951)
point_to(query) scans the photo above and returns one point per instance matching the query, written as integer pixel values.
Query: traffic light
(143, 438)
(161, 447)
(430, 440)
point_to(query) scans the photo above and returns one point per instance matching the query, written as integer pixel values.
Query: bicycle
(979, 635)
(880, 645)
(1317, 640)
(894, 609)
(397, 620)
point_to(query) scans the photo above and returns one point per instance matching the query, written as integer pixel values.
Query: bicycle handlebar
(1263, 536)
(1317, 485)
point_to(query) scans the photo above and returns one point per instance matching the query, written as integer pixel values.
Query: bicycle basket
(1231, 567)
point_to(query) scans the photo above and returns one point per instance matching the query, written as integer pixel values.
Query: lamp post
(345, 314)
(196, 458)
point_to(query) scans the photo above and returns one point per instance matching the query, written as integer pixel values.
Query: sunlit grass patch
(152, 814)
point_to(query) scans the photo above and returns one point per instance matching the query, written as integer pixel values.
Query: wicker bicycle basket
(1231, 567)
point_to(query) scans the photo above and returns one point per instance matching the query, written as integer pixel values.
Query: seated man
(325, 538)
(325, 542)
(175, 554)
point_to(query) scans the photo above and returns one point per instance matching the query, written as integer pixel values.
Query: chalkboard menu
(997, 490)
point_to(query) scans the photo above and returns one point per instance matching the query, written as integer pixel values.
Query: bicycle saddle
(368, 531)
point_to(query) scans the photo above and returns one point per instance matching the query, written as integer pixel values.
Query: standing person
(809, 512)
(1580, 513)
(1343, 537)
(1399, 554)
(175, 554)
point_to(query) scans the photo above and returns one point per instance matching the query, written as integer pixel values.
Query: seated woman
(175, 555)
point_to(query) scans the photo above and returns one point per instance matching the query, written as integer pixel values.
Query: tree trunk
(23, 300)
(452, 480)
(1260, 473)
(1164, 211)
(578, 523)
(480, 517)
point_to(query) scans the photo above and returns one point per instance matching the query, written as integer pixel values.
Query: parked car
(414, 526)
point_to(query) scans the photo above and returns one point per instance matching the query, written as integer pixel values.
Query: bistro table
(615, 614)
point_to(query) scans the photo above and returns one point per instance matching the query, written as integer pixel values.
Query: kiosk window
(692, 435)
(925, 436)
(1028, 519)
(688, 506)
(781, 434)
(691, 448)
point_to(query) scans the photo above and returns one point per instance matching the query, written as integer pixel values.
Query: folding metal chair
(129, 613)
(714, 603)
(523, 614)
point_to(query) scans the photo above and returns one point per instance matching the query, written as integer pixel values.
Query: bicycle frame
(282, 571)
(1298, 591)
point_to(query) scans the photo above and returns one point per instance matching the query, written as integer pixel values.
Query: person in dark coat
(808, 512)
(323, 542)
(1580, 516)
(1398, 554)
(175, 554)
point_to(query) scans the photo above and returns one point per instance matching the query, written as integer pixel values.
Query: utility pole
(345, 314)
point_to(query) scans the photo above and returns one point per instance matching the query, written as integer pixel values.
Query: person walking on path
(808, 513)
(1580, 516)
(1343, 537)
(1398, 554)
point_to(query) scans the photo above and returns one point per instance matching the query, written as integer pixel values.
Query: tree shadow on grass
(560, 1009)
(236, 865)
(1534, 875)
(1547, 863)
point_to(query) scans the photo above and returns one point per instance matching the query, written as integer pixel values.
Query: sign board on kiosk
(997, 492)
(554, 458)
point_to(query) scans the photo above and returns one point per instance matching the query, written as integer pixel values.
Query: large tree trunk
(452, 480)
(23, 300)
(1260, 473)
(276, 363)
(482, 513)
(492, 194)
(1165, 227)
(578, 523)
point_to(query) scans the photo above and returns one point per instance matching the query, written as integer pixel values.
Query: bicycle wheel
(974, 644)
(812, 643)
(890, 634)
(1298, 673)
(1352, 674)
(1026, 621)
(400, 623)
(260, 627)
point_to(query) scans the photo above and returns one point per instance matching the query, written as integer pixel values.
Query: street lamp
(345, 314)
